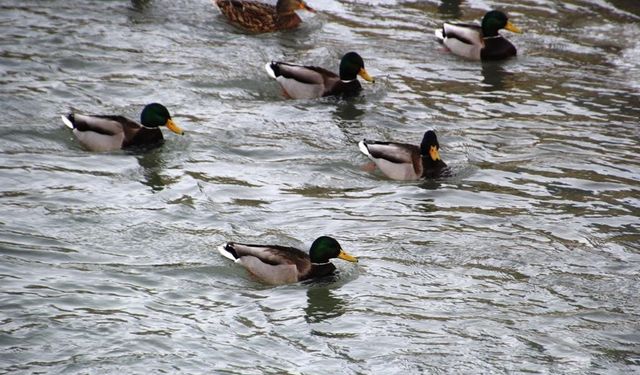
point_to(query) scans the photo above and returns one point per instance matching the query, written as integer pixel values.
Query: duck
(406, 162)
(310, 82)
(259, 17)
(277, 265)
(479, 42)
(108, 133)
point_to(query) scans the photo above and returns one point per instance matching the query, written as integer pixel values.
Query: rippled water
(526, 261)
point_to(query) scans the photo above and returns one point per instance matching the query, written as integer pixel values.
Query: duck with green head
(108, 132)
(275, 264)
(402, 161)
(258, 17)
(308, 82)
(482, 42)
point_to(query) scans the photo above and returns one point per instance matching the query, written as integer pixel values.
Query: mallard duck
(479, 42)
(401, 161)
(108, 133)
(308, 82)
(274, 264)
(260, 17)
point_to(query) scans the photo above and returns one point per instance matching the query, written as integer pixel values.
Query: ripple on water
(525, 260)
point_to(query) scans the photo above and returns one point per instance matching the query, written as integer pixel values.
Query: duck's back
(99, 133)
(463, 39)
(273, 264)
(256, 16)
(304, 82)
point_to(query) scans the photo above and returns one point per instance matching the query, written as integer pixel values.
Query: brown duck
(256, 16)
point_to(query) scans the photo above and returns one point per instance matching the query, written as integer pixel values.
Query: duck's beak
(343, 255)
(512, 27)
(363, 73)
(433, 152)
(173, 127)
(306, 7)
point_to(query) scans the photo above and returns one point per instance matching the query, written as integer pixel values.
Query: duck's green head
(496, 20)
(430, 146)
(351, 66)
(325, 248)
(155, 115)
(290, 6)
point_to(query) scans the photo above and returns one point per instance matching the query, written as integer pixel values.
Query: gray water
(527, 260)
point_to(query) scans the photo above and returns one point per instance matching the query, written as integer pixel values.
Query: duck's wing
(399, 161)
(107, 125)
(102, 133)
(270, 263)
(302, 82)
(391, 151)
(251, 15)
(464, 32)
(462, 39)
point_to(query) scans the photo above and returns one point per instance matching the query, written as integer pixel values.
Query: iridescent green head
(496, 20)
(325, 248)
(155, 114)
(352, 66)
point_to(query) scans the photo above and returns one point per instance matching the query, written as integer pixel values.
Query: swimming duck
(260, 17)
(479, 42)
(401, 161)
(108, 133)
(308, 82)
(275, 264)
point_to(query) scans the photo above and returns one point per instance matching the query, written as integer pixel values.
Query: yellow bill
(363, 73)
(343, 255)
(306, 7)
(433, 152)
(512, 27)
(173, 127)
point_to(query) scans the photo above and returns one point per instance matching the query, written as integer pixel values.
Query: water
(526, 261)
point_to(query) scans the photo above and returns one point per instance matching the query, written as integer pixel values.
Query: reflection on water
(153, 164)
(495, 76)
(141, 5)
(450, 9)
(322, 304)
(525, 261)
(435, 184)
(347, 110)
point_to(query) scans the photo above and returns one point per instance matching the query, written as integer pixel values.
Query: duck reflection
(450, 8)
(347, 116)
(153, 164)
(140, 5)
(347, 111)
(495, 76)
(433, 184)
(322, 305)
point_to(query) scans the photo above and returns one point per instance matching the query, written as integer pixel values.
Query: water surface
(525, 261)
